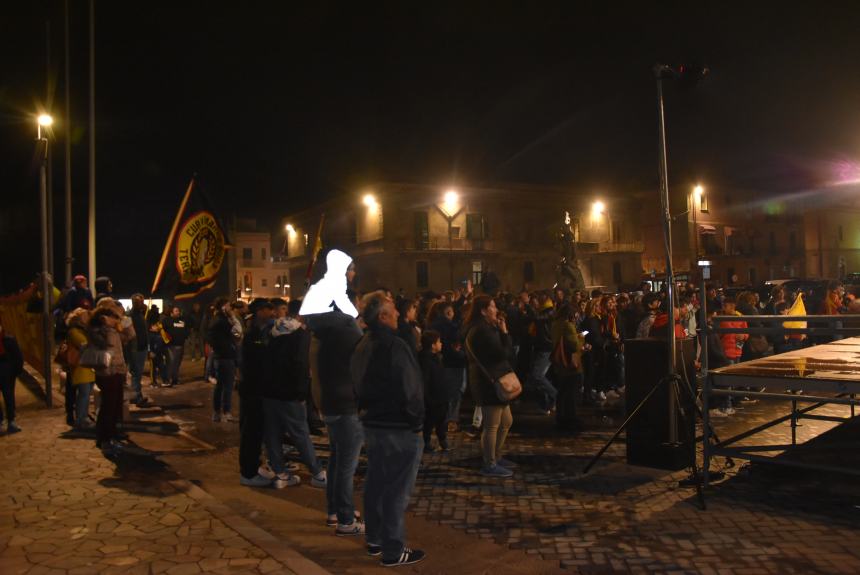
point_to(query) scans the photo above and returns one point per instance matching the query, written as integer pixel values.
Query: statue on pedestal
(567, 274)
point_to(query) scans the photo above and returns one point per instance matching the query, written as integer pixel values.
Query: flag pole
(317, 248)
(171, 237)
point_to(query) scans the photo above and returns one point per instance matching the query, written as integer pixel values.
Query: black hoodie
(337, 334)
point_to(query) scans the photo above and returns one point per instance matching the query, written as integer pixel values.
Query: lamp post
(689, 76)
(450, 209)
(44, 121)
(696, 201)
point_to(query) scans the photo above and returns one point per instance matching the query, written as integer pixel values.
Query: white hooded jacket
(331, 288)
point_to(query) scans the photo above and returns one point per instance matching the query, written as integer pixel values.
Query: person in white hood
(331, 288)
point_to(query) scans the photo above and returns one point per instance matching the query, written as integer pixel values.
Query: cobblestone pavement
(65, 509)
(618, 518)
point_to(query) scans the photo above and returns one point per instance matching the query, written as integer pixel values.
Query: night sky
(276, 105)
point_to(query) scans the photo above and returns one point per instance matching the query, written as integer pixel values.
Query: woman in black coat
(488, 347)
(11, 366)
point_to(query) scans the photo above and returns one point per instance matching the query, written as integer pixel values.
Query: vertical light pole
(44, 121)
(450, 209)
(688, 76)
(68, 170)
(91, 220)
(697, 199)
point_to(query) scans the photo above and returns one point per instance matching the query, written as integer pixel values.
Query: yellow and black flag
(195, 249)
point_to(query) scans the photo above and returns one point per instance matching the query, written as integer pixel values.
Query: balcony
(612, 247)
(442, 244)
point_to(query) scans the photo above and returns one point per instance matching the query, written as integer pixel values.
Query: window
(476, 226)
(528, 272)
(771, 240)
(247, 253)
(753, 277)
(422, 274)
(477, 273)
(840, 233)
(264, 282)
(792, 242)
(455, 232)
(703, 203)
(616, 272)
(616, 232)
(422, 232)
(263, 254)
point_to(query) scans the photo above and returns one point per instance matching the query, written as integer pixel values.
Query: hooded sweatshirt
(289, 347)
(331, 288)
(337, 334)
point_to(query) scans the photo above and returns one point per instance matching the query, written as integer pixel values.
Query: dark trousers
(250, 434)
(110, 409)
(7, 386)
(393, 457)
(436, 417)
(71, 395)
(222, 396)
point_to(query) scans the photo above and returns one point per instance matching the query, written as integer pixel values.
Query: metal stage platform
(817, 376)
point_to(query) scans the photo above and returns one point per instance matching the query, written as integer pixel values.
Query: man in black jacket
(177, 331)
(391, 408)
(138, 348)
(223, 336)
(257, 375)
(284, 400)
(337, 333)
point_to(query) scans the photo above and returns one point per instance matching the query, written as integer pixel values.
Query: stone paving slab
(66, 509)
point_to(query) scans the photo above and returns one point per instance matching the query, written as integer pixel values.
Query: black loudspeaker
(646, 364)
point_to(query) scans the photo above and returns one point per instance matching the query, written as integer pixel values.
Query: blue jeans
(292, 417)
(175, 355)
(82, 402)
(455, 381)
(393, 457)
(345, 436)
(136, 365)
(537, 378)
(222, 397)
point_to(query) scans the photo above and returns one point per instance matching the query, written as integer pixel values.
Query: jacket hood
(336, 263)
(322, 322)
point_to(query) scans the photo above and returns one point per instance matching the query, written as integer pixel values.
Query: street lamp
(371, 203)
(450, 209)
(45, 121)
(698, 191)
(597, 208)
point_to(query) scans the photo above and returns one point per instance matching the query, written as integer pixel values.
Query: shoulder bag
(508, 386)
(94, 357)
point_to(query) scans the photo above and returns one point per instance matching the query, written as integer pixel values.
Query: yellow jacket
(78, 339)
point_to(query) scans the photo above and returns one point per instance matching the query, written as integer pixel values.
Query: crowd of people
(381, 372)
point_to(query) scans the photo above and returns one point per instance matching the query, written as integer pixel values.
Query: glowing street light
(43, 121)
(597, 208)
(698, 191)
(369, 201)
(290, 229)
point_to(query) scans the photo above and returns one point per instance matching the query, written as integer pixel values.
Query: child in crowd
(435, 390)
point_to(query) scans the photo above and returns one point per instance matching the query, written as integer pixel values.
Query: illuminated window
(263, 254)
(477, 273)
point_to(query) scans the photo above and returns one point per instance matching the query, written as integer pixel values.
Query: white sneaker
(354, 528)
(211, 380)
(319, 480)
(228, 417)
(256, 481)
(600, 396)
(285, 480)
(266, 471)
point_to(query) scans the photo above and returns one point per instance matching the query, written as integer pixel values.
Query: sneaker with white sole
(228, 417)
(496, 471)
(266, 471)
(256, 481)
(319, 480)
(354, 528)
(407, 557)
(331, 518)
(216, 417)
(374, 550)
(282, 480)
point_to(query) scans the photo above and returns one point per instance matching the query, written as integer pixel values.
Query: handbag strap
(475, 358)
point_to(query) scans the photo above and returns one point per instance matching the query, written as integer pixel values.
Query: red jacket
(730, 340)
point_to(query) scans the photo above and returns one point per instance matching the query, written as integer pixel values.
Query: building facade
(415, 237)
(258, 273)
